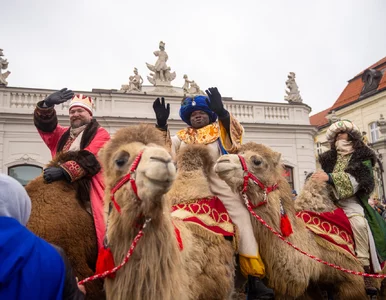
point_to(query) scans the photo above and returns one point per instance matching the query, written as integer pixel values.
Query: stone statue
(161, 74)
(334, 118)
(135, 83)
(186, 85)
(191, 87)
(3, 66)
(382, 126)
(293, 94)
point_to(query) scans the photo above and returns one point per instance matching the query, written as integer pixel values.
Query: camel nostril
(161, 159)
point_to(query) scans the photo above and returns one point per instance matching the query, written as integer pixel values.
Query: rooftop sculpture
(3, 66)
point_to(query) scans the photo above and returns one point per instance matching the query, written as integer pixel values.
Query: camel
(60, 218)
(173, 259)
(292, 274)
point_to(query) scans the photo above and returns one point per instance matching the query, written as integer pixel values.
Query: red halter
(248, 175)
(128, 177)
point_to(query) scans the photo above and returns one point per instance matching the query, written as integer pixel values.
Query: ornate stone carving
(293, 93)
(3, 66)
(161, 74)
(135, 83)
(334, 118)
(370, 79)
(382, 126)
(191, 87)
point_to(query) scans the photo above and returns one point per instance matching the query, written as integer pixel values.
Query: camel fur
(58, 217)
(289, 272)
(158, 267)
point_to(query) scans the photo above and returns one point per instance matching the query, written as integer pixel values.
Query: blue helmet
(190, 105)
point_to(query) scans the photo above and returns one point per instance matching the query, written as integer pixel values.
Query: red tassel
(285, 225)
(178, 237)
(105, 262)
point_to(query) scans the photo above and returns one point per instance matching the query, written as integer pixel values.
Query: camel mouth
(161, 182)
(223, 166)
(163, 177)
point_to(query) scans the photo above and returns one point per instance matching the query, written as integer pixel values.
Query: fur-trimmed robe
(360, 167)
(83, 165)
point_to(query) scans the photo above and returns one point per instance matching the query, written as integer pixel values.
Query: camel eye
(256, 161)
(122, 160)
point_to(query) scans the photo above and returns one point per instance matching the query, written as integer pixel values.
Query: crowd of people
(378, 206)
(23, 271)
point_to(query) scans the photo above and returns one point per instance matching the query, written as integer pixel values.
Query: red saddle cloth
(209, 213)
(332, 226)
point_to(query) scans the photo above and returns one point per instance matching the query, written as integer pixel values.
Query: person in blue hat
(210, 124)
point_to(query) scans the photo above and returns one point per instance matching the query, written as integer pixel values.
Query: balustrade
(22, 100)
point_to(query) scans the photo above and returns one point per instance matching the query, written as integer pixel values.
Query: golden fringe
(330, 246)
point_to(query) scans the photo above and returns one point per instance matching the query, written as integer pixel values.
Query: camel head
(194, 164)
(154, 172)
(261, 161)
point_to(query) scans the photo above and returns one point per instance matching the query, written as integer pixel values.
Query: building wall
(282, 126)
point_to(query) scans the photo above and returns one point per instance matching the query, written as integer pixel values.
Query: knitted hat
(14, 200)
(189, 105)
(82, 101)
(343, 126)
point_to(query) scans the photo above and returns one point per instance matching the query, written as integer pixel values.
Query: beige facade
(285, 127)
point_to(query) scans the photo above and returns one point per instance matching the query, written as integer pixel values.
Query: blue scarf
(30, 268)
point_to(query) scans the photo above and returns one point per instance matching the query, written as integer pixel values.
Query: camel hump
(194, 157)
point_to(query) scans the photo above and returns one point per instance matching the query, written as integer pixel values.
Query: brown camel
(289, 272)
(173, 259)
(58, 217)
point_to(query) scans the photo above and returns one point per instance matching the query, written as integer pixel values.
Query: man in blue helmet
(225, 136)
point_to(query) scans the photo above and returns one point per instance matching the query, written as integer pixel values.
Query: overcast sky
(245, 48)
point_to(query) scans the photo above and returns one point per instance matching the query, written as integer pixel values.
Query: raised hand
(215, 103)
(59, 97)
(162, 111)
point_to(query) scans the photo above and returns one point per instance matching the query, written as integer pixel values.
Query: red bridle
(128, 177)
(248, 175)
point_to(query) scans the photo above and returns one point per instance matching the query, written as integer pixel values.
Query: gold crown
(82, 101)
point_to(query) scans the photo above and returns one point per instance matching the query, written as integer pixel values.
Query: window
(319, 148)
(288, 174)
(374, 132)
(24, 173)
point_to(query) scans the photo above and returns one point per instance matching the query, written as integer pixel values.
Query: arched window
(24, 173)
(374, 132)
(288, 174)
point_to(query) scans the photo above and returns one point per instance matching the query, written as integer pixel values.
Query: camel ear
(276, 158)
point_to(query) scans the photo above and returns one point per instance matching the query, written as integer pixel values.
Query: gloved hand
(215, 103)
(52, 174)
(59, 97)
(162, 111)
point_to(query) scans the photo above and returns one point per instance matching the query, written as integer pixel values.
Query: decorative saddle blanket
(209, 213)
(332, 226)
